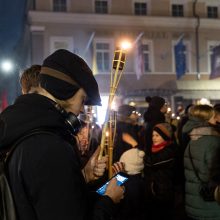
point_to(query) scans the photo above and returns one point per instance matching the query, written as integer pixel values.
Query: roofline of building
(120, 20)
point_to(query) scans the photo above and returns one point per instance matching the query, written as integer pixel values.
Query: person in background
(215, 120)
(44, 171)
(183, 138)
(215, 166)
(86, 142)
(29, 78)
(160, 173)
(155, 114)
(132, 206)
(198, 162)
(127, 153)
(127, 131)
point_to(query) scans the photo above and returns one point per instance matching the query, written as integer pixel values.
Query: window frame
(108, 6)
(111, 53)
(148, 7)
(209, 53)
(212, 6)
(150, 53)
(67, 6)
(177, 15)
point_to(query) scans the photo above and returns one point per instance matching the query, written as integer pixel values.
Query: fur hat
(63, 73)
(133, 160)
(157, 102)
(126, 110)
(164, 130)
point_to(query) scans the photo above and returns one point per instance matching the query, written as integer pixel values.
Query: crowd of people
(173, 171)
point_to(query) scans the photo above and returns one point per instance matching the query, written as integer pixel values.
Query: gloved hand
(133, 160)
(118, 167)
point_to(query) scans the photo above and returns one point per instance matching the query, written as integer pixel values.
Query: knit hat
(63, 73)
(126, 110)
(133, 160)
(157, 102)
(164, 130)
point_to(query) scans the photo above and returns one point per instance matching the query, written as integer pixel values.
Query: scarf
(158, 147)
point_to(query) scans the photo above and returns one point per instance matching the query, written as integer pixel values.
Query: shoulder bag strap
(193, 165)
(31, 133)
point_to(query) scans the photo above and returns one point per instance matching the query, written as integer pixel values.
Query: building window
(59, 5)
(140, 8)
(143, 58)
(182, 56)
(213, 55)
(146, 57)
(102, 56)
(212, 12)
(177, 10)
(101, 6)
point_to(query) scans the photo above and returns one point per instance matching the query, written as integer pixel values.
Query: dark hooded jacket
(44, 170)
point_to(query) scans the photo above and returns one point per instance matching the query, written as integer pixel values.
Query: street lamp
(7, 66)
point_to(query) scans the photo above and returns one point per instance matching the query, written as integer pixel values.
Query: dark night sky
(11, 23)
(12, 27)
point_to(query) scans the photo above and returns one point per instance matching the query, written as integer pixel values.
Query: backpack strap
(25, 136)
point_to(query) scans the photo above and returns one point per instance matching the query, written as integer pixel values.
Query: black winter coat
(44, 170)
(160, 173)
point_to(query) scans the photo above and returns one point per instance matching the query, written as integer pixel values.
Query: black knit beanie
(63, 73)
(157, 102)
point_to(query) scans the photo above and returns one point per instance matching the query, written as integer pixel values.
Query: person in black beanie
(44, 171)
(155, 114)
(160, 174)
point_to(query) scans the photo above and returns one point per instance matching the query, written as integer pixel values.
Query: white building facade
(93, 29)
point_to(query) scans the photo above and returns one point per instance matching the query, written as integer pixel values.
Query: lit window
(101, 7)
(212, 12)
(140, 8)
(146, 57)
(177, 10)
(59, 5)
(103, 56)
(143, 58)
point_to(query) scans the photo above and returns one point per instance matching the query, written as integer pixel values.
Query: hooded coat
(204, 143)
(44, 171)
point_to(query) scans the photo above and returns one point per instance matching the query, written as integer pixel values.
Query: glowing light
(6, 66)
(113, 105)
(132, 103)
(204, 101)
(168, 109)
(125, 45)
(173, 114)
(101, 110)
(178, 117)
